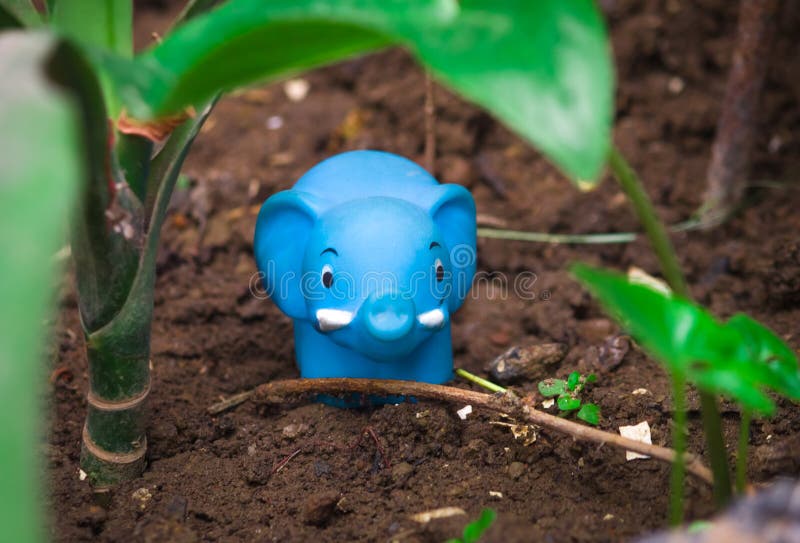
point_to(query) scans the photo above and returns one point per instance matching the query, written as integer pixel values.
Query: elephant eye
(439, 271)
(327, 276)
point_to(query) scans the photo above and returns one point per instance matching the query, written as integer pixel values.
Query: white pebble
(638, 432)
(464, 411)
(275, 122)
(296, 89)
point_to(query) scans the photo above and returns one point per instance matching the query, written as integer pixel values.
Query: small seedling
(475, 529)
(568, 395)
(740, 359)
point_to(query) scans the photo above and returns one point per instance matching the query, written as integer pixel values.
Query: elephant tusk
(333, 319)
(432, 319)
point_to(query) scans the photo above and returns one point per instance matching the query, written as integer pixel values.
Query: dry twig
(430, 126)
(520, 409)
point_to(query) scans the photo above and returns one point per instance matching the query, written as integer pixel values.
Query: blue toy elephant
(370, 256)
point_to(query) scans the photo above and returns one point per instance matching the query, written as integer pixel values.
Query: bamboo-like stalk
(113, 441)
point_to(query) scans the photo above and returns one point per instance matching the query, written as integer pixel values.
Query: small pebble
(524, 363)
(516, 470)
(143, 496)
(296, 89)
(321, 468)
(402, 472)
(320, 507)
(464, 411)
(637, 432)
(275, 122)
(291, 431)
(675, 85)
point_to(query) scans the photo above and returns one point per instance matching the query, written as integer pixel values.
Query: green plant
(739, 359)
(125, 123)
(567, 394)
(475, 529)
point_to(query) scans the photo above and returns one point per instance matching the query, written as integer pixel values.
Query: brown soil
(210, 478)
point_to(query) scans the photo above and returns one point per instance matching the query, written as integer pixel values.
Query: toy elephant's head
(378, 273)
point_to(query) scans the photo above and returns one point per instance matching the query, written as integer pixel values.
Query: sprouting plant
(567, 393)
(475, 529)
(740, 359)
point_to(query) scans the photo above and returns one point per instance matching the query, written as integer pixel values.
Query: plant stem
(543, 237)
(718, 454)
(741, 451)
(480, 381)
(430, 126)
(653, 226)
(679, 445)
(656, 233)
(520, 409)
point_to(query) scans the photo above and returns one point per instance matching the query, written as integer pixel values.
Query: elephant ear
(282, 230)
(453, 211)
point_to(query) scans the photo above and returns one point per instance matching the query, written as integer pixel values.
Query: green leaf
(105, 251)
(740, 359)
(568, 403)
(590, 413)
(106, 24)
(18, 13)
(552, 387)
(573, 380)
(543, 68)
(41, 171)
(591, 378)
(771, 352)
(475, 529)
(102, 25)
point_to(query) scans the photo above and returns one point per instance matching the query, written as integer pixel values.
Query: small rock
(94, 517)
(319, 508)
(344, 505)
(595, 330)
(637, 432)
(142, 496)
(274, 122)
(524, 363)
(675, 85)
(292, 431)
(296, 89)
(402, 472)
(225, 427)
(218, 232)
(177, 508)
(609, 355)
(500, 338)
(160, 529)
(516, 470)
(321, 468)
(256, 471)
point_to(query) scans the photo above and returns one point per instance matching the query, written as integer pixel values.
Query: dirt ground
(211, 478)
